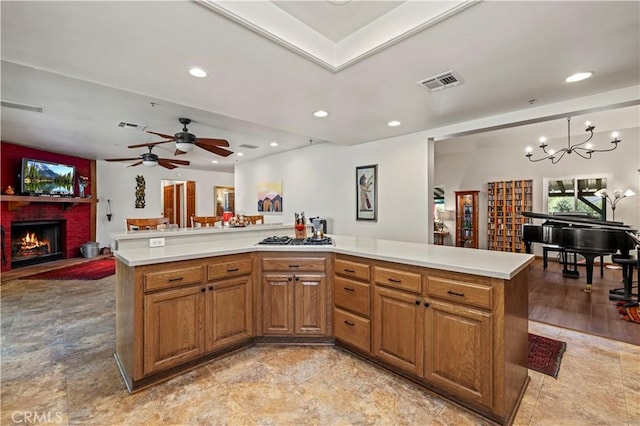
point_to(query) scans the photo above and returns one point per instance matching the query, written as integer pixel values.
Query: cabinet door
(458, 351)
(310, 304)
(229, 312)
(398, 333)
(173, 327)
(277, 306)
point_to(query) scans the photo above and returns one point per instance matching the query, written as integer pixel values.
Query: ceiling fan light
(184, 147)
(149, 163)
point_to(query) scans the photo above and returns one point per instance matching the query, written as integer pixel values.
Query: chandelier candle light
(614, 198)
(583, 149)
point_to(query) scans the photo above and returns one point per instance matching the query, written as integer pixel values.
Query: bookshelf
(506, 201)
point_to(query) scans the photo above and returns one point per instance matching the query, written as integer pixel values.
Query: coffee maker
(319, 227)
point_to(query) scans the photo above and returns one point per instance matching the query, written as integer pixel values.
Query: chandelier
(583, 149)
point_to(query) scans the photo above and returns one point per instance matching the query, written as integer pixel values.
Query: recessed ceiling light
(578, 77)
(394, 123)
(240, 154)
(197, 72)
(214, 161)
(320, 113)
(274, 144)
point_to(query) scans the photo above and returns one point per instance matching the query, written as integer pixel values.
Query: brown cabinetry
(506, 200)
(467, 219)
(294, 296)
(352, 303)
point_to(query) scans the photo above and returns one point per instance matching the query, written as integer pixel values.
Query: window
(576, 195)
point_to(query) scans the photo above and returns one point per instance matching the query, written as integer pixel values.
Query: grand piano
(580, 234)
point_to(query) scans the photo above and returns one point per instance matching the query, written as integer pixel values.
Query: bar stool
(628, 263)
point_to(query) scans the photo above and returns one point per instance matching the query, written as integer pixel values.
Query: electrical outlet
(156, 242)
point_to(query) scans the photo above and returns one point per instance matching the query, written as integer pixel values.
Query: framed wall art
(367, 192)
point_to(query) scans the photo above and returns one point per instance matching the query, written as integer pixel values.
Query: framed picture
(367, 192)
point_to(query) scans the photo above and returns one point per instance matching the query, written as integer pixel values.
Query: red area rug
(545, 354)
(93, 270)
(630, 311)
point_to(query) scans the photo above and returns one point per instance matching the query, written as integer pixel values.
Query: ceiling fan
(150, 159)
(185, 141)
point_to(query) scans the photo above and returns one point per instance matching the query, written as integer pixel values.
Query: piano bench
(546, 248)
(628, 264)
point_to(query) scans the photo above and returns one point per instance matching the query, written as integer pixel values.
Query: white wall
(320, 180)
(117, 182)
(470, 166)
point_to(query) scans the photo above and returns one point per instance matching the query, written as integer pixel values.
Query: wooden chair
(255, 219)
(204, 221)
(140, 224)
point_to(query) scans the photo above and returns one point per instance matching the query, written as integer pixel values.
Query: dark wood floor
(561, 301)
(553, 299)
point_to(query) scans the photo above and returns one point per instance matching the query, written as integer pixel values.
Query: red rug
(93, 270)
(545, 354)
(630, 311)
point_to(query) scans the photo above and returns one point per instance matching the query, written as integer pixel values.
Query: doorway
(178, 201)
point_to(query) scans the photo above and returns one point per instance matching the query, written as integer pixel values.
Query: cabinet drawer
(405, 280)
(459, 291)
(351, 295)
(293, 264)
(231, 268)
(173, 277)
(352, 329)
(355, 270)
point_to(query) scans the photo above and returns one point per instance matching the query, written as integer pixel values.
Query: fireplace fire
(35, 242)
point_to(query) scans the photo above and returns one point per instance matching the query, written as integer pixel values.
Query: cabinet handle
(351, 271)
(349, 323)
(210, 287)
(453, 293)
(297, 279)
(350, 289)
(294, 266)
(289, 279)
(175, 279)
(394, 280)
(232, 270)
(417, 302)
(427, 304)
(203, 289)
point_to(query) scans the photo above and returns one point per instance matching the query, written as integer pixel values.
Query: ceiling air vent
(21, 106)
(132, 126)
(441, 81)
(245, 145)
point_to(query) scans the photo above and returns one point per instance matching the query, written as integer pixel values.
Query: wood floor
(553, 299)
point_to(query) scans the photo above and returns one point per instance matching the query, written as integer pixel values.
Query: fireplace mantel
(16, 202)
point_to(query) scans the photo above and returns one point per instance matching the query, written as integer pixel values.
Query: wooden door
(168, 202)
(398, 329)
(174, 330)
(277, 304)
(191, 202)
(229, 312)
(458, 351)
(310, 304)
(178, 203)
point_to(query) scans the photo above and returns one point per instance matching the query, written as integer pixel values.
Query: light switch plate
(156, 242)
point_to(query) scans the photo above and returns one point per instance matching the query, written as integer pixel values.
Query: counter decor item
(238, 221)
(9, 190)
(367, 192)
(301, 225)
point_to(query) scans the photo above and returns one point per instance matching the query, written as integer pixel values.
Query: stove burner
(283, 241)
(276, 241)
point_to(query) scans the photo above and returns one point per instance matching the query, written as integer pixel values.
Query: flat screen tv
(44, 178)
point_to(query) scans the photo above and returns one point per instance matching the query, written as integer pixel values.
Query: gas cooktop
(283, 241)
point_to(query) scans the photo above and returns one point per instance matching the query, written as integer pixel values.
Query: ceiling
(90, 65)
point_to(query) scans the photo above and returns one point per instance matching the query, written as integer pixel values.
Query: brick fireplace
(75, 220)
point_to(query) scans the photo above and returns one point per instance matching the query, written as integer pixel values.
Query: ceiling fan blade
(136, 164)
(212, 142)
(166, 164)
(162, 135)
(216, 150)
(174, 161)
(121, 159)
(140, 145)
(178, 152)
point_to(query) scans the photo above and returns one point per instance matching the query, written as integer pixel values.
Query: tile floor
(57, 367)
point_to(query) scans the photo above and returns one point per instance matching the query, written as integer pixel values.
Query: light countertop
(466, 260)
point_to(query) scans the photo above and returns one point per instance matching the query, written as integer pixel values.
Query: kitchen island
(450, 319)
